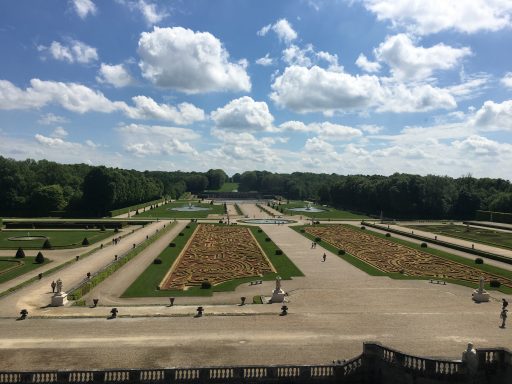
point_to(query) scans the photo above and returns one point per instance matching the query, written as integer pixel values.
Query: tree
(39, 258)
(20, 254)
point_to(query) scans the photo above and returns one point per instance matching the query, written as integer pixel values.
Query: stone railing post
(372, 361)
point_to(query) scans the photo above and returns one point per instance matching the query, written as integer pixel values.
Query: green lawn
(477, 235)
(146, 284)
(165, 211)
(58, 238)
(329, 213)
(436, 252)
(25, 265)
(226, 187)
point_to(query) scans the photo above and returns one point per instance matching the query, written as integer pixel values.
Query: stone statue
(59, 285)
(481, 284)
(278, 283)
(470, 359)
(481, 295)
(60, 298)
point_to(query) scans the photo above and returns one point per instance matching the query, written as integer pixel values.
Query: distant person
(324, 257)
(503, 316)
(53, 285)
(504, 304)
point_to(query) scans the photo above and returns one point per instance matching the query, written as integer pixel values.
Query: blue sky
(368, 86)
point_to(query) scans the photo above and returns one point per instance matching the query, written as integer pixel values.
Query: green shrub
(39, 258)
(20, 253)
(495, 283)
(188, 226)
(279, 252)
(181, 234)
(172, 245)
(85, 241)
(479, 260)
(302, 230)
(206, 285)
(267, 239)
(116, 229)
(260, 230)
(424, 245)
(388, 234)
(341, 252)
(157, 261)
(47, 244)
(102, 228)
(363, 227)
(318, 239)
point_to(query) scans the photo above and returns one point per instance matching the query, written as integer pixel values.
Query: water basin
(267, 221)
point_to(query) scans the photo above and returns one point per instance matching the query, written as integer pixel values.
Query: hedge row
(120, 211)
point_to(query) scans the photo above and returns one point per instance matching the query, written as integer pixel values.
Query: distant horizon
(348, 87)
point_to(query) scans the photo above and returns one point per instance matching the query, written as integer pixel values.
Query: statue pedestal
(59, 299)
(277, 296)
(480, 295)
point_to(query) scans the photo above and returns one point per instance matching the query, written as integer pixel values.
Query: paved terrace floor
(332, 310)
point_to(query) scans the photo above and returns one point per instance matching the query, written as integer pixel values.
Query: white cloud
(147, 108)
(369, 128)
(494, 116)
(283, 30)
(367, 65)
(188, 61)
(56, 142)
(426, 17)
(50, 118)
(59, 132)
(408, 62)
(151, 14)
(265, 61)
(507, 80)
(75, 51)
(481, 146)
(84, 8)
(325, 130)
(244, 114)
(318, 90)
(318, 145)
(293, 55)
(116, 75)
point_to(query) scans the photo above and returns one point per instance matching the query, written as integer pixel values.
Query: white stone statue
(480, 295)
(59, 285)
(278, 283)
(470, 359)
(278, 294)
(60, 298)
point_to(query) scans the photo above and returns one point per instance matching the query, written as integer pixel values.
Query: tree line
(397, 196)
(40, 188)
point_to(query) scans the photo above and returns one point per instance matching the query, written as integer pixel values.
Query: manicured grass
(436, 252)
(329, 213)
(27, 264)
(58, 238)
(226, 187)
(146, 284)
(165, 211)
(477, 235)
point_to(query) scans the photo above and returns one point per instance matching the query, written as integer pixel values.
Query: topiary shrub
(341, 252)
(85, 241)
(181, 234)
(20, 253)
(495, 283)
(388, 234)
(206, 285)
(260, 230)
(318, 239)
(479, 260)
(157, 261)
(39, 258)
(424, 245)
(172, 245)
(363, 227)
(116, 230)
(302, 230)
(47, 244)
(188, 226)
(267, 239)
(279, 252)
(102, 228)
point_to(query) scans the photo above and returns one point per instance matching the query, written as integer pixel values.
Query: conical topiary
(39, 258)
(20, 253)
(47, 244)
(85, 241)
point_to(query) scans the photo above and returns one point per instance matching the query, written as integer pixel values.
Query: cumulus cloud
(367, 65)
(307, 57)
(56, 142)
(116, 75)
(318, 90)
(265, 61)
(74, 52)
(481, 146)
(81, 99)
(283, 30)
(507, 80)
(426, 17)
(59, 132)
(244, 114)
(494, 116)
(325, 130)
(190, 62)
(146, 140)
(51, 118)
(84, 8)
(151, 13)
(409, 62)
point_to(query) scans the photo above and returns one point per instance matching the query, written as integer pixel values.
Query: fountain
(267, 221)
(189, 208)
(308, 208)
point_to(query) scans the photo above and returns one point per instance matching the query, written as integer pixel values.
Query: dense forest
(39, 188)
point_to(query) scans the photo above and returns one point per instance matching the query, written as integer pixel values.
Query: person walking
(503, 316)
(504, 304)
(53, 285)
(324, 257)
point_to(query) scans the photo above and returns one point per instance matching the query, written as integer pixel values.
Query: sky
(339, 86)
